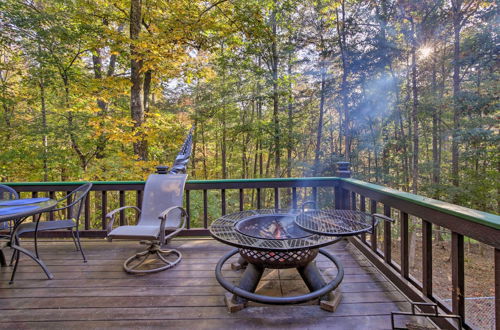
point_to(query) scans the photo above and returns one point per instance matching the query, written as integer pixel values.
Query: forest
(407, 91)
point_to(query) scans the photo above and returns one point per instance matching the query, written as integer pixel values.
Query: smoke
(378, 99)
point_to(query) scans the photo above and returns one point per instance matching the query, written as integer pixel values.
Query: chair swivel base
(155, 255)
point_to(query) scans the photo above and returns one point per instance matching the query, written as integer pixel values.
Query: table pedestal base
(238, 296)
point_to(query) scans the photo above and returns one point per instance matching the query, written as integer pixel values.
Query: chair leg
(74, 239)
(80, 244)
(13, 257)
(36, 234)
(15, 267)
(3, 262)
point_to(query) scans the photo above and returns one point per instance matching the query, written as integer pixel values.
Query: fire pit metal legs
(245, 290)
(248, 282)
(314, 281)
(240, 264)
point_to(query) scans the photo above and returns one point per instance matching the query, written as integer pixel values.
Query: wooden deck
(99, 294)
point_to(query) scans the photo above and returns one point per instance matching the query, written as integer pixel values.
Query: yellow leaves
(115, 129)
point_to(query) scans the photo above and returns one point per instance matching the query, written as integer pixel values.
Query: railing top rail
(303, 179)
(70, 183)
(208, 182)
(487, 219)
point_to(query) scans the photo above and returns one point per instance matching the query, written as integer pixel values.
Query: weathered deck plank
(99, 294)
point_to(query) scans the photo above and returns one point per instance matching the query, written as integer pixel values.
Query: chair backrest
(7, 192)
(161, 192)
(76, 201)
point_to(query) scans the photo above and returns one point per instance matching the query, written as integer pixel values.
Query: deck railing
(204, 200)
(415, 215)
(425, 215)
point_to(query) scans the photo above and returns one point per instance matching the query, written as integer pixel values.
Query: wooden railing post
(387, 236)
(242, 199)
(276, 198)
(457, 274)
(223, 201)
(427, 258)
(294, 197)
(259, 206)
(104, 208)
(362, 208)
(373, 237)
(343, 171)
(404, 245)
(138, 203)
(205, 208)
(121, 195)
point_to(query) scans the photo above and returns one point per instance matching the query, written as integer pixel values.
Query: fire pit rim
(223, 230)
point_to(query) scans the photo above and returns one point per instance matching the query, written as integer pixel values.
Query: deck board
(98, 294)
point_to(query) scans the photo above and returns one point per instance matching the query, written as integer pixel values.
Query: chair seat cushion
(29, 227)
(135, 232)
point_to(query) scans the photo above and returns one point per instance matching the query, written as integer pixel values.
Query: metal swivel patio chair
(6, 192)
(161, 210)
(75, 203)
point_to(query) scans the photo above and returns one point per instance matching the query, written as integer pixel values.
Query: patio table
(19, 210)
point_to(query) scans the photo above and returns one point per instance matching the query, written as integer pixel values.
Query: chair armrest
(111, 216)
(163, 218)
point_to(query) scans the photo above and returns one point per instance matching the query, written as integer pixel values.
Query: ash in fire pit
(274, 227)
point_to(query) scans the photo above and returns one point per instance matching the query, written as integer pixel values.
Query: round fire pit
(272, 239)
(286, 239)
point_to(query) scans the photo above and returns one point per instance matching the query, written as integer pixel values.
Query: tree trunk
(45, 141)
(259, 117)
(457, 26)
(289, 146)
(341, 30)
(414, 112)
(274, 62)
(319, 131)
(137, 79)
(148, 76)
(436, 166)
(204, 149)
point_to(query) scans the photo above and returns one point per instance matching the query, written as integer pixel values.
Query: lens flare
(424, 52)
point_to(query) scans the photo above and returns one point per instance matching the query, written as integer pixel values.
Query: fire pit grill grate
(336, 222)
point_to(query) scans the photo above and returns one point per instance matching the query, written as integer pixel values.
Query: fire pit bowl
(275, 227)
